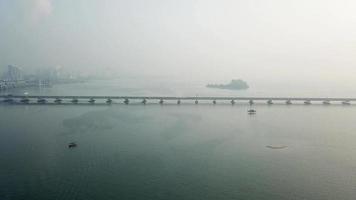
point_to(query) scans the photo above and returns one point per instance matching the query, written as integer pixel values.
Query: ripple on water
(276, 146)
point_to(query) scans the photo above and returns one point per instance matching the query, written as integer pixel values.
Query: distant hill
(233, 85)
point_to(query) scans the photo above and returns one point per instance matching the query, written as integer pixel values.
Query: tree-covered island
(233, 85)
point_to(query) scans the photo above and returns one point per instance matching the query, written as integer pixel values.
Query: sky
(288, 40)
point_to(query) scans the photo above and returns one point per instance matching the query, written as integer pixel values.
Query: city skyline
(284, 40)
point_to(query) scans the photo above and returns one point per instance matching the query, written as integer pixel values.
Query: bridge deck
(180, 98)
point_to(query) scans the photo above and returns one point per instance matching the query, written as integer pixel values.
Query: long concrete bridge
(25, 99)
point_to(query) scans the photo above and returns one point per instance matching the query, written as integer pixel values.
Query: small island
(233, 85)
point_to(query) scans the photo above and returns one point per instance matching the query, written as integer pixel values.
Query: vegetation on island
(233, 85)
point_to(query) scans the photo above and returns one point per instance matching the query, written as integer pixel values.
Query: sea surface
(176, 152)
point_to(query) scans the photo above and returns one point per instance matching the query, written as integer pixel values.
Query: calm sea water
(176, 152)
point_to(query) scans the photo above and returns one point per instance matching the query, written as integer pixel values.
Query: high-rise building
(13, 74)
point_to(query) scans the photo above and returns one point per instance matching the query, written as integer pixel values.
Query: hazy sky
(250, 39)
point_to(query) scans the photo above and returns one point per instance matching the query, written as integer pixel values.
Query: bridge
(26, 99)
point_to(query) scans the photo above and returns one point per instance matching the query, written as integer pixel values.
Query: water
(175, 152)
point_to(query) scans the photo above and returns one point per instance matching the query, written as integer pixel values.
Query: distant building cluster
(13, 74)
(14, 77)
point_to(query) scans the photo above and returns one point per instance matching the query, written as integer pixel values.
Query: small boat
(251, 111)
(72, 145)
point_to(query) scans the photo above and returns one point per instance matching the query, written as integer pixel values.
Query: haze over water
(188, 86)
(175, 152)
(282, 48)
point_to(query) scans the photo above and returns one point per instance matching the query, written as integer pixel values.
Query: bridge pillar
(58, 100)
(161, 101)
(75, 101)
(288, 102)
(346, 103)
(144, 101)
(326, 102)
(109, 101)
(196, 102)
(25, 100)
(178, 101)
(251, 102)
(91, 100)
(126, 101)
(232, 102)
(40, 100)
(214, 102)
(307, 102)
(8, 100)
(270, 102)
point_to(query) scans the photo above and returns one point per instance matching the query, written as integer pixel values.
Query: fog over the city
(256, 39)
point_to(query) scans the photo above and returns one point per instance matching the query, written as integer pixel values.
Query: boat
(72, 145)
(251, 111)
